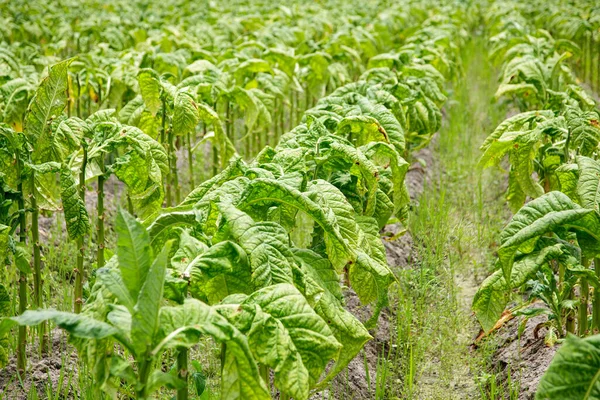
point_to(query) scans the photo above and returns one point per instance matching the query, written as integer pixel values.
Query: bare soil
(55, 371)
(521, 358)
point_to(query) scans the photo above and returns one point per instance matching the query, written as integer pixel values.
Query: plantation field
(300, 200)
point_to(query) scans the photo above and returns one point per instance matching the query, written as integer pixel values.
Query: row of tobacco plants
(549, 251)
(259, 255)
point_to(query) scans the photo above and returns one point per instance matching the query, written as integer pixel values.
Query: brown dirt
(57, 370)
(524, 356)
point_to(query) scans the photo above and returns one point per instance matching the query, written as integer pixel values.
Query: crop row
(258, 256)
(550, 249)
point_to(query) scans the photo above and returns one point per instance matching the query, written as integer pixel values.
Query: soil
(521, 359)
(56, 370)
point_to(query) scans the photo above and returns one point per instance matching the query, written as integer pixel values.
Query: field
(300, 200)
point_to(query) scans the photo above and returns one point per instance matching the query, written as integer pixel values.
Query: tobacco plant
(550, 243)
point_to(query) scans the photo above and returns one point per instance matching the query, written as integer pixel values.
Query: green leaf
(240, 377)
(76, 215)
(574, 371)
(309, 333)
(133, 252)
(185, 113)
(150, 87)
(270, 190)
(145, 318)
(585, 129)
(545, 214)
(220, 271)
(588, 185)
(265, 243)
(273, 347)
(111, 279)
(23, 258)
(4, 238)
(160, 379)
(347, 329)
(78, 325)
(492, 296)
(371, 280)
(57, 145)
(47, 104)
(234, 169)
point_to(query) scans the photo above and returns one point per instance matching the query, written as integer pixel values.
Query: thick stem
(22, 335)
(281, 122)
(170, 168)
(583, 307)
(78, 97)
(182, 368)
(190, 161)
(100, 212)
(164, 139)
(596, 301)
(37, 259)
(130, 205)
(145, 368)
(80, 243)
(175, 144)
(223, 355)
(215, 159)
(264, 373)
(588, 56)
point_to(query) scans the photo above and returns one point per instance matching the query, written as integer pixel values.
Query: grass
(454, 225)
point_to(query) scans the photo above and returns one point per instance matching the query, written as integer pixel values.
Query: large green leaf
(588, 185)
(145, 318)
(76, 215)
(574, 371)
(492, 296)
(133, 252)
(240, 377)
(371, 279)
(266, 244)
(78, 325)
(48, 103)
(185, 113)
(149, 83)
(347, 329)
(547, 213)
(262, 191)
(220, 271)
(309, 333)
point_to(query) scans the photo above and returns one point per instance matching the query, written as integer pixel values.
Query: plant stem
(190, 161)
(37, 259)
(596, 301)
(174, 174)
(100, 211)
(583, 307)
(22, 335)
(223, 356)
(130, 204)
(264, 373)
(215, 163)
(80, 243)
(145, 367)
(182, 367)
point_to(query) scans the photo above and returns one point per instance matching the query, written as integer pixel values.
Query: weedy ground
(454, 227)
